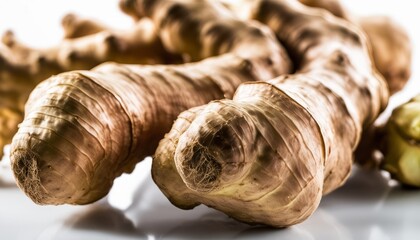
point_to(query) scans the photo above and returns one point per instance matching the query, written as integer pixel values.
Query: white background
(365, 208)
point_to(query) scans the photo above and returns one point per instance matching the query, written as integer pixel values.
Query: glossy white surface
(368, 206)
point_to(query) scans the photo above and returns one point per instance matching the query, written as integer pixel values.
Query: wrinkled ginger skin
(23, 67)
(108, 130)
(98, 124)
(268, 155)
(197, 40)
(391, 50)
(389, 42)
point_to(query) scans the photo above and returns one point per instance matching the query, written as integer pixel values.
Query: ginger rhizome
(75, 26)
(98, 124)
(390, 44)
(399, 143)
(268, 155)
(391, 49)
(23, 67)
(391, 53)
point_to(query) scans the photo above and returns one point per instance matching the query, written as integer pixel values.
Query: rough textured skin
(392, 56)
(268, 155)
(391, 53)
(389, 41)
(98, 124)
(22, 67)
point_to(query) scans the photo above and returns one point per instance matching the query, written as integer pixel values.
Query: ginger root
(138, 44)
(98, 124)
(23, 67)
(391, 52)
(400, 143)
(268, 155)
(389, 42)
(391, 49)
(75, 26)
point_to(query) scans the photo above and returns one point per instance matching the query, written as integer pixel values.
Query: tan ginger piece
(391, 52)
(391, 49)
(132, 9)
(98, 124)
(14, 89)
(75, 26)
(389, 41)
(268, 155)
(23, 67)
(138, 44)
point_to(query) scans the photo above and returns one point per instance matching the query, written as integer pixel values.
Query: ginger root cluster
(251, 107)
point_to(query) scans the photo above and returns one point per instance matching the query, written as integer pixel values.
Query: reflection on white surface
(366, 207)
(6, 176)
(99, 221)
(121, 195)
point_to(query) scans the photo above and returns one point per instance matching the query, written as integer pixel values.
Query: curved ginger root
(138, 44)
(22, 67)
(98, 124)
(268, 155)
(390, 44)
(391, 53)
